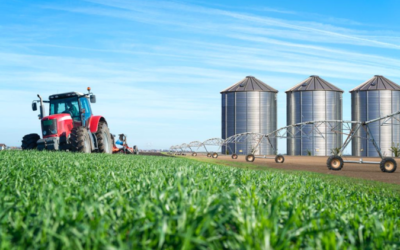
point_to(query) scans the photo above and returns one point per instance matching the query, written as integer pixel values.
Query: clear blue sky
(158, 67)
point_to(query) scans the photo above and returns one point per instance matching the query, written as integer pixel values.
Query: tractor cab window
(66, 106)
(85, 105)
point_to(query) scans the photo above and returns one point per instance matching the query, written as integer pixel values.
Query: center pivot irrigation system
(310, 129)
(183, 148)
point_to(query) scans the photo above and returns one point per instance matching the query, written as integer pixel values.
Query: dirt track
(318, 164)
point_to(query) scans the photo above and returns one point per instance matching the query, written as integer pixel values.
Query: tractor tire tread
(77, 139)
(100, 140)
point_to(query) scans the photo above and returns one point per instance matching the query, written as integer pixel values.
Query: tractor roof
(66, 95)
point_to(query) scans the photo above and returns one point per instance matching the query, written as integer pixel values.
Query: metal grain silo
(249, 106)
(375, 98)
(314, 99)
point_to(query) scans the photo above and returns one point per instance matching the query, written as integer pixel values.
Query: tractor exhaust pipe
(42, 111)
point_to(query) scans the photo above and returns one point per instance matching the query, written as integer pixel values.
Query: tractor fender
(94, 123)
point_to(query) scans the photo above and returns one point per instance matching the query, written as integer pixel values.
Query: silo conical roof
(314, 83)
(377, 82)
(250, 83)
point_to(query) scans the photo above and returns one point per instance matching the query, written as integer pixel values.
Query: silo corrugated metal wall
(249, 106)
(375, 98)
(314, 100)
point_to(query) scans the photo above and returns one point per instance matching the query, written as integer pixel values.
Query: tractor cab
(70, 125)
(76, 104)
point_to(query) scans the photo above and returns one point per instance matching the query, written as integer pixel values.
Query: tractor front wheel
(30, 141)
(80, 140)
(104, 141)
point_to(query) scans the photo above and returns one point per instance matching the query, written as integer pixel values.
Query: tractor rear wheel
(388, 165)
(335, 162)
(30, 141)
(80, 140)
(104, 141)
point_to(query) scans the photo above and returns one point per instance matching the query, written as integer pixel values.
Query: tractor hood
(59, 117)
(58, 125)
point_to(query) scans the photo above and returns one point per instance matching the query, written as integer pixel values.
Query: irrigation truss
(307, 129)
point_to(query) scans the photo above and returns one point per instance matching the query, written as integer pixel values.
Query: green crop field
(77, 201)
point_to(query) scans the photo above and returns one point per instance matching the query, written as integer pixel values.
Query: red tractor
(71, 125)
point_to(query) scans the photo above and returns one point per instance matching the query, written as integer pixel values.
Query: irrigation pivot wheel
(208, 155)
(388, 165)
(214, 155)
(234, 156)
(335, 163)
(194, 154)
(279, 159)
(250, 157)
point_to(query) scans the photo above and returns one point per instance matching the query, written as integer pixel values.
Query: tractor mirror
(92, 99)
(34, 106)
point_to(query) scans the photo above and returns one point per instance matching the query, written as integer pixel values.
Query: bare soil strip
(318, 164)
(154, 154)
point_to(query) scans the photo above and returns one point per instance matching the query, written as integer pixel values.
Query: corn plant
(395, 149)
(335, 151)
